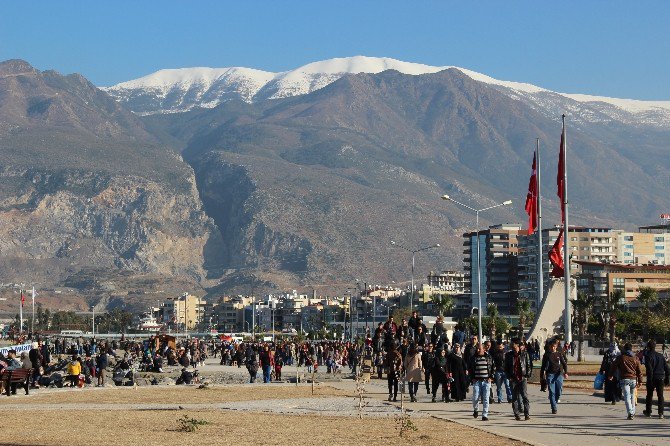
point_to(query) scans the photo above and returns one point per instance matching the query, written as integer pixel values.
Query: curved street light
(479, 280)
(413, 251)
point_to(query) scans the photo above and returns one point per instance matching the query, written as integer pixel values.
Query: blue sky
(610, 48)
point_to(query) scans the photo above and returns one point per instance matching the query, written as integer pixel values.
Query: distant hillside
(88, 195)
(312, 188)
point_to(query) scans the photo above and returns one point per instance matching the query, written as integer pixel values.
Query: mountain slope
(86, 191)
(310, 189)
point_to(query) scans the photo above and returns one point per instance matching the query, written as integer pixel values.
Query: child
(279, 363)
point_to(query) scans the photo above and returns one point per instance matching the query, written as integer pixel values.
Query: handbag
(599, 381)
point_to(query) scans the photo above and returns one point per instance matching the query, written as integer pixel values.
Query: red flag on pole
(23, 298)
(556, 257)
(531, 199)
(560, 178)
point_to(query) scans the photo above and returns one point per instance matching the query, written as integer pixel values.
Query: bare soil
(122, 425)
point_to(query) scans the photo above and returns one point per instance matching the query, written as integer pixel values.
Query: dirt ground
(121, 425)
(171, 394)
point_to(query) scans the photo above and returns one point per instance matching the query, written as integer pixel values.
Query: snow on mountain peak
(178, 90)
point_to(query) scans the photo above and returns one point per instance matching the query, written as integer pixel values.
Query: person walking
(413, 368)
(554, 369)
(501, 378)
(441, 375)
(631, 374)
(658, 375)
(481, 375)
(518, 368)
(393, 364)
(612, 389)
(458, 369)
(428, 362)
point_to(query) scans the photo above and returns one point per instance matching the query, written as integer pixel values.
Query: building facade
(496, 261)
(601, 279)
(584, 244)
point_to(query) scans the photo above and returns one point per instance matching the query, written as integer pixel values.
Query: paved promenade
(582, 419)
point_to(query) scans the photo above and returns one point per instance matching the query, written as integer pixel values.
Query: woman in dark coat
(457, 366)
(441, 374)
(612, 388)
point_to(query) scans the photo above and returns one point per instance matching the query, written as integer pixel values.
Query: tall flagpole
(566, 238)
(21, 313)
(540, 254)
(32, 321)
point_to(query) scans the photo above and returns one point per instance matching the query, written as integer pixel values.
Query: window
(659, 239)
(618, 280)
(660, 255)
(628, 238)
(628, 254)
(573, 239)
(584, 239)
(659, 247)
(628, 246)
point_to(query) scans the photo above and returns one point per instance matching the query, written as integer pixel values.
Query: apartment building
(601, 279)
(184, 311)
(651, 245)
(497, 260)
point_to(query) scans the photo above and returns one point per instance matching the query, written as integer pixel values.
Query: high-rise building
(497, 260)
(585, 244)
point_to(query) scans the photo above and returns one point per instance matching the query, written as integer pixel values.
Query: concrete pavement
(582, 419)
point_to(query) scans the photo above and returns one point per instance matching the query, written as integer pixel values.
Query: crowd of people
(406, 352)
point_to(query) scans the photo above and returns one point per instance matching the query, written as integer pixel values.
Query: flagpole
(32, 321)
(540, 254)
(21, 313)
(566, 238)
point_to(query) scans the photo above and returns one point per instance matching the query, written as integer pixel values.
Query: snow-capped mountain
(179, 90)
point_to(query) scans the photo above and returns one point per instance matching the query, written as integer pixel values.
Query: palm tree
(610, 307)
(523, 310)
(492, 314)
(582, 307)
(647, 297)
(445, 303)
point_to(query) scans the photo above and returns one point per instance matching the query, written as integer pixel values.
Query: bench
(16, 376)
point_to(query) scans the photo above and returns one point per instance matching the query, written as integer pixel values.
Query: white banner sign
(18, 348)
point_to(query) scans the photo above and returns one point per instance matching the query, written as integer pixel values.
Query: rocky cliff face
(60, 222)
(89, 199)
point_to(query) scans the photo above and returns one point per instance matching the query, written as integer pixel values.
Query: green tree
(648, 298)
(492, 324)
(610, 307)
(582, 308)
(445, 303)
(524, 313)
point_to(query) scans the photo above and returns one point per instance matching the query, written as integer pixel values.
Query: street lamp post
(479, 280)
(413, 251)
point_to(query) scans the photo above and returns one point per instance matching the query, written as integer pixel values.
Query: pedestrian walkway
(582, 419)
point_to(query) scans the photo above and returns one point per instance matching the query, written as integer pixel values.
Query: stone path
(582, 420)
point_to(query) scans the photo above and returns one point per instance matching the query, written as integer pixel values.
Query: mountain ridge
(179, 90)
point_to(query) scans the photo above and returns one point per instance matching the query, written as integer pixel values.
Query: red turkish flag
(23, 298)
(556, 257)
(560, 178)
(531, 199)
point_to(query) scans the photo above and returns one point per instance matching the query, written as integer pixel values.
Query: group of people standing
(623, 375)
(414, 355)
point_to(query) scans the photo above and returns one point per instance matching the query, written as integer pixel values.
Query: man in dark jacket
(658, 375)
(501, 379)
(554, 369)
(428, 362)
(518, 368)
